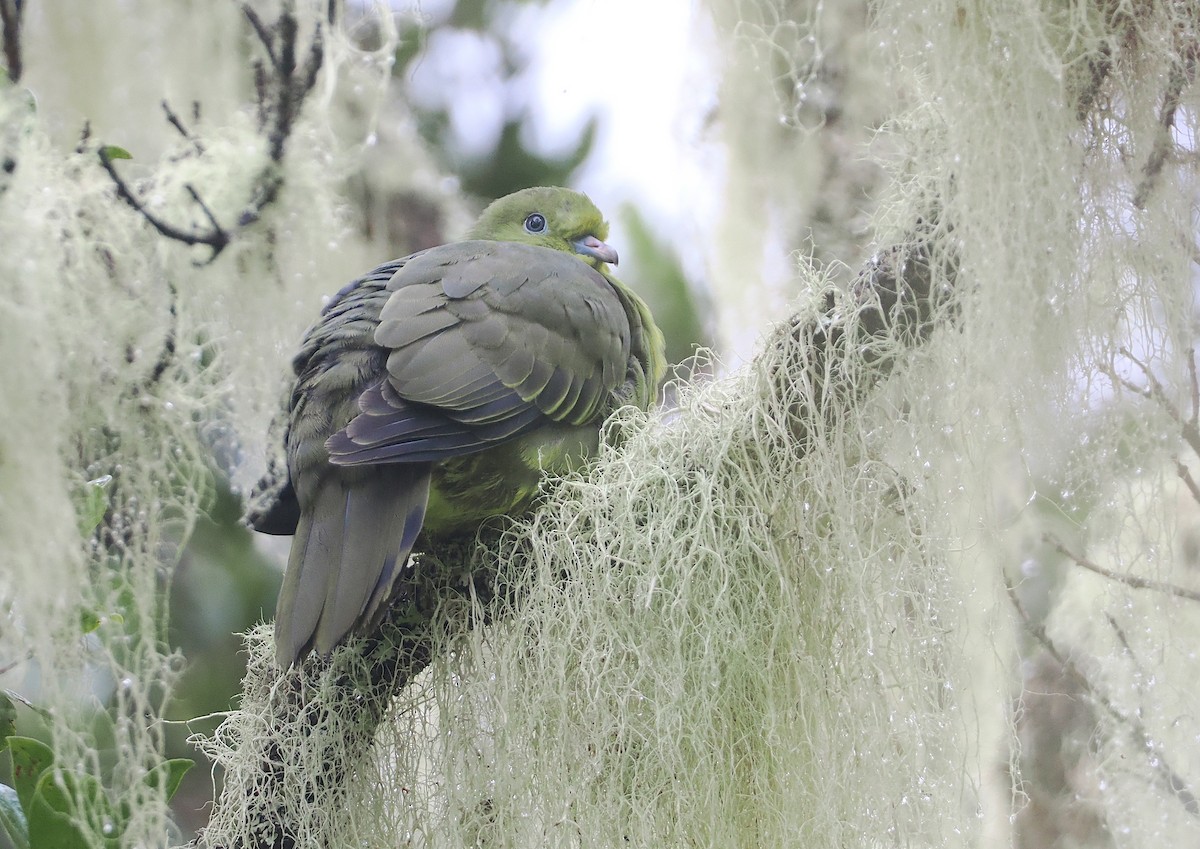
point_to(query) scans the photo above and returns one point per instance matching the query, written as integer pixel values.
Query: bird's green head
(549, 217)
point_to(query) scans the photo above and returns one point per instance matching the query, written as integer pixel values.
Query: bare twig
(1195, 386)
(85, 136)
(166, 355)
(10, 19)
(208, 213)
(1185, 474)
(215, 238)
(1155, 757)
(175, 121)
(1133, 581)
(265, 37)
(1153, 391)
(281, 93)
(9, 667)
(1127, 647)
(260, 92)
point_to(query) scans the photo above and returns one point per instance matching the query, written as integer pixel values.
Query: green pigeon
(437, 390)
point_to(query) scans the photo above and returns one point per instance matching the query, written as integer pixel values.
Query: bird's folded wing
(485, 340)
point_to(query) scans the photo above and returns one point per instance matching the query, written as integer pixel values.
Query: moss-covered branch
(323, 717)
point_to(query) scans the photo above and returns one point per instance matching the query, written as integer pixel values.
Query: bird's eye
(536, 223)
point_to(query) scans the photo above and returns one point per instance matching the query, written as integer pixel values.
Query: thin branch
(208, 213)
(10, 18)
(281, 95)
(292, 85)
(260, 93)
(215, 238)
(175, 121)
(1133, 581)
(9, 667)
(1156, 758)
(1099, 68)
(1127, 647)
(1185, 474)
(263, 32)
(1195, 385)
(85, 134)
(166, 355)
(1154, 391)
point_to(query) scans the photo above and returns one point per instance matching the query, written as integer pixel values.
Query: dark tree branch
(208, 213)
(175, 121)
(166, 355)
(260, 92)
(215, 238)
(264, 33)
(281, 95)
(85, 136)
(10, 19)
(1185, 474)
(1163, 142)
(1180, 78)
(10, 44)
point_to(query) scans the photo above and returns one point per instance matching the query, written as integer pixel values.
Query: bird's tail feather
(348, 549)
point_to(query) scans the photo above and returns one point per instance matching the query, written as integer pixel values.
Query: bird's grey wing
(354, 528)
(485, 340)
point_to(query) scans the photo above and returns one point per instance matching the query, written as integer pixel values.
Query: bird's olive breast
(505, 479)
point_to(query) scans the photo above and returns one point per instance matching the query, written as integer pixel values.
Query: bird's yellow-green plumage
(436, 391)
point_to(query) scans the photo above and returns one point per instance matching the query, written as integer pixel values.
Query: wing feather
(484, 340)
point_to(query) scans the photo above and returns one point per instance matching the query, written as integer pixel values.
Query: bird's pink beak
(593, 247)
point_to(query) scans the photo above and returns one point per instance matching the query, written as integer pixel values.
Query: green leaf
(63, 799)
(93, 505)
(12, 818)
(8, 720)
(30, 759)
(168, 774)
(89, 621)
(111, 151)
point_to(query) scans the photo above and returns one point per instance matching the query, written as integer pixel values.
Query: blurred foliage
(512, 166)
(662, 282)
(224, 584)
(41, 809)
(510, 163)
